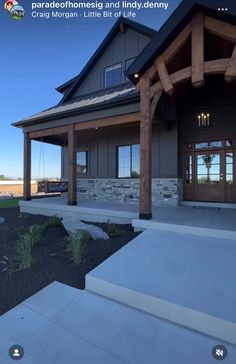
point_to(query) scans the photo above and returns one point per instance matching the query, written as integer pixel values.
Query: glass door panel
(209, 182)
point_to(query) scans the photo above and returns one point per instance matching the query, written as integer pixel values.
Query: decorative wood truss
(199, 68)
(157, 80)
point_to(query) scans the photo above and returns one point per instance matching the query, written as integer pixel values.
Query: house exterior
(151, 117)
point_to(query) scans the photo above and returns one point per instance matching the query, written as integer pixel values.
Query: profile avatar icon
(14, 9)
(9, 4)
(17, 12)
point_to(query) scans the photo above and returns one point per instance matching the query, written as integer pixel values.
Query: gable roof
(70, 85)
(174, 25)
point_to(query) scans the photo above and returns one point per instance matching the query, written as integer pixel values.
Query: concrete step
(62, 325)
(188, 280)
(140, 225)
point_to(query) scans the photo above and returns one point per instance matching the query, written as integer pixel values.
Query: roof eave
(78, 111)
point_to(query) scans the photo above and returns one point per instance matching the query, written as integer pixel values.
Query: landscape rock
(73, 225)
(2, 220)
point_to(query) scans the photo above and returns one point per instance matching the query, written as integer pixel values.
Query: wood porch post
(145, 150)
(72, 188)
(27, 168)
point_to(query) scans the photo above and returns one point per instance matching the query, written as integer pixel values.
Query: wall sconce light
(136, 75)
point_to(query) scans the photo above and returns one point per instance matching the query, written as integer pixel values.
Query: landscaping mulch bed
(50, 260)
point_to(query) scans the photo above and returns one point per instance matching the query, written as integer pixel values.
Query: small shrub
(23, 248)
(113, 230)
(76, 244)
(53, 221)
(23, 216)
(36, 234)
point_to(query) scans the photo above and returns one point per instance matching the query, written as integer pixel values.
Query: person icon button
(16, 352)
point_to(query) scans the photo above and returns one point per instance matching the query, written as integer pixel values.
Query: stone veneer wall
(165, 191)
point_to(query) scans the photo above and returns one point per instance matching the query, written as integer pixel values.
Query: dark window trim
(86, 151)
(212, 139)
(131, 158)
(129, 59)
(104, 73)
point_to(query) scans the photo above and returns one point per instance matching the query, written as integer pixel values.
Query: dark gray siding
(102, 148)
(220, 97)
(125, 46)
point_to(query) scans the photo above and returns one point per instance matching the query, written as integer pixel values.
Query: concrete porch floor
(203, 221)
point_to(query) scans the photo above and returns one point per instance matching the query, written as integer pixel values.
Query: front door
(209, 176)
(210, 172)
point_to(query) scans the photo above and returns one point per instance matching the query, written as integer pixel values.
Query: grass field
(10, 202)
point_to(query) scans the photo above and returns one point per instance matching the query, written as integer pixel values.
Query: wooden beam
(110, 121)
(198, 50)
(230, 73)
(155, 89)
(72, 187)
(27, 167)
(177, 44)
(215, 67)
(48, 132)
(154, 103)
(86, 125)
(220, 28)
(181, 76)
(151, 73)
(164, 76)
(169, 53)
(145, 150)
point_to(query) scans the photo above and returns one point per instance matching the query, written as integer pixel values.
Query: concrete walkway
(188, 280)
(63, 325)
(163, 298)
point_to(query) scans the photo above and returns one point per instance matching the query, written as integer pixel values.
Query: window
(189, 169)
(229, 168)
(82, 162)
(206, 145)
(208, 168)
(129, 161)
(113, 75)
(128, 63)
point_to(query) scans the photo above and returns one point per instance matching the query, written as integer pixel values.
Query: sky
(36, 56)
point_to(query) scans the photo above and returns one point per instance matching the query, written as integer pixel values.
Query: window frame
(87, 162)
(131, 163)
(104, 74)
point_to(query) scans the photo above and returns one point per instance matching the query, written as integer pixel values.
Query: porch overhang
(66, 135)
